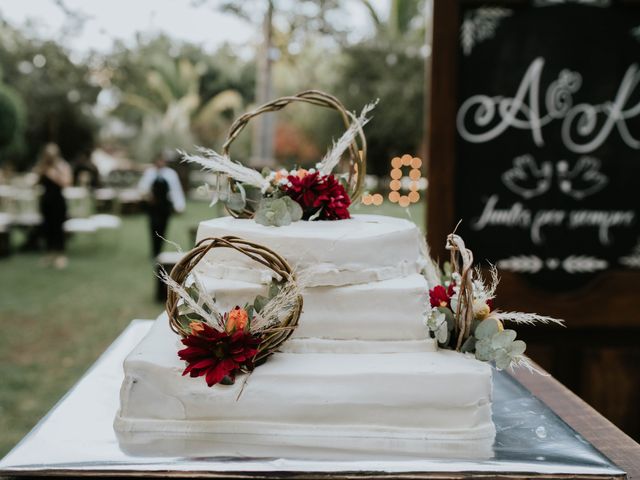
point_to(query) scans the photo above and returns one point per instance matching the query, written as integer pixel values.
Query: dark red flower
(439, 297)
(217, 355)
(319, 193)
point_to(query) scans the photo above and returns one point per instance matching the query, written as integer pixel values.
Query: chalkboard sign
(546, 180)
(534, 146)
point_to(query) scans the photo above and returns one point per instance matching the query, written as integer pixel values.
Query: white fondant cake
(359, 374)
(365, 248)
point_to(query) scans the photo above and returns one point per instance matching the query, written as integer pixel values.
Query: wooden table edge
(584, 419)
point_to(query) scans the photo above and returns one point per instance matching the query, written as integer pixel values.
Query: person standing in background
(161, 189)
(55, 174)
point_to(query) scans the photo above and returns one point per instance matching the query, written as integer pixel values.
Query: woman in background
(55, 175)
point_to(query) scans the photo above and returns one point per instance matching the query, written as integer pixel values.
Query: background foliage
(158, 93)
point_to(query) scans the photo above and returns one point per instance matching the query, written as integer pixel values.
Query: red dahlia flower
(439, 297)
(217, 355)
(315, 192)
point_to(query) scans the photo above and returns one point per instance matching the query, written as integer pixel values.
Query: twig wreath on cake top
(463, 316)
(279, 197)
(220, 345)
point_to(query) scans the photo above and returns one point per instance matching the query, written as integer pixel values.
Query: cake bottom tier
(422, 403)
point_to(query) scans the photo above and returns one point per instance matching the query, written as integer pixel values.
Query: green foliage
(394, 74)
(57, 95)
(495, 344)
(278, 211)
(261, 300)
(12, 118)
(175, 94)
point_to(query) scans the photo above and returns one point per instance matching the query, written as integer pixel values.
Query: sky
(122, 19)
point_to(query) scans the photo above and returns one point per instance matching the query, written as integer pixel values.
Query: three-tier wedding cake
(359, 373)
(295, 328)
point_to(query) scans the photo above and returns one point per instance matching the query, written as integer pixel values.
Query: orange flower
(196, 327)
(302, 173)
(280, 174)
(237, 319)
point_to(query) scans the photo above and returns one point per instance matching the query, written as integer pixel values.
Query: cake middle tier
(371, 317)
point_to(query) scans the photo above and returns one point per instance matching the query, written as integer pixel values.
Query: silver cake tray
(76, 438)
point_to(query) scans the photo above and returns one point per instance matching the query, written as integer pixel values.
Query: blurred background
(114, 84)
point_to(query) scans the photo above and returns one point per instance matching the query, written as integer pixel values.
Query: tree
(389, 66)
(58, 99)
(11, 123)
(173, 94)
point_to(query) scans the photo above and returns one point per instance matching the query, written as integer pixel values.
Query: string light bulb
(395, 185)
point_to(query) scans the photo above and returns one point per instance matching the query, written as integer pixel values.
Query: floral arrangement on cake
(280, 197)
(463, 316)
(222, 344)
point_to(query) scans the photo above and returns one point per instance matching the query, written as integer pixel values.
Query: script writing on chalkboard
(547, 176)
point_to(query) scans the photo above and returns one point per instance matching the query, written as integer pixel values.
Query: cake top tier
(361, 249)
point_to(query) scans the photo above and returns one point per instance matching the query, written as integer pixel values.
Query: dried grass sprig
(333, 156)
(523, 361)
(214, 318)
(431, 271)
(216, 163)
(483, 291)
(525, 318)
(270, 315)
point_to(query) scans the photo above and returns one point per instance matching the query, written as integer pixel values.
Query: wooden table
(599, 431)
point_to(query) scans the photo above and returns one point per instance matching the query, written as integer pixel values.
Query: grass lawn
(56, 323)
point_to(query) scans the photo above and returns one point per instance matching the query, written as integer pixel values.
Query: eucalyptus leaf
(260, 302)
(484, 351)
(236, 201)
(469, 345)
(487, 328)
(295, 210)
(447, 270)
(254, 194)
(243, 192)
(502, 358)
(503, 339)
(273, 212)
(193, 292)
(442, 334)
(448, 315)
(274, 289)
(517, 348)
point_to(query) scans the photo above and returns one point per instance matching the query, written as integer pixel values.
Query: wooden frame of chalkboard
(611, 298)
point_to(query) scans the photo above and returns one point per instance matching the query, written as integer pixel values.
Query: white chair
(80, 225)
(104, 221)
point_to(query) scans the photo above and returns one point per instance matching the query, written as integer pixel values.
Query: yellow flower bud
(480, 309)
